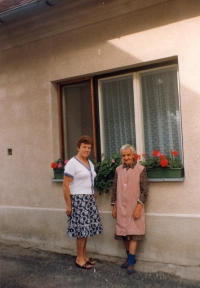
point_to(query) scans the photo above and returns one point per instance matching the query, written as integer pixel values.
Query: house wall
(39, 51)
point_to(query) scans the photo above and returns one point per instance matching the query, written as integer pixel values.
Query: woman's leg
(92, 262)
(131, 256)
(81, 251)
(126, 245)
(132, 247)
(84, 250)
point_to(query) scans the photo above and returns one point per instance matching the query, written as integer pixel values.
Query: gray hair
(128, 146)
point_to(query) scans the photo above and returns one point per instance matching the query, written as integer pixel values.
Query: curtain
(161, 113)
(77, 115)
(118, 114)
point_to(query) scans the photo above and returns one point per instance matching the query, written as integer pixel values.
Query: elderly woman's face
(127, 156)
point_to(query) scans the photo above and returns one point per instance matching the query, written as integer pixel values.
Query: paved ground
(28, 268)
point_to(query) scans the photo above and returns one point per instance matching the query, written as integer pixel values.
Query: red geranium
(162, 156)
(174, 153)
(160, 160)
(53, 165)
(156, 153)
(59, 164)
(163, 162)
(137, 157)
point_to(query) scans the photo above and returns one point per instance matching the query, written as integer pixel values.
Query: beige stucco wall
(37, 52)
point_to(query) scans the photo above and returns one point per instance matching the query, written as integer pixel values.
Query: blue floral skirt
(84, 220)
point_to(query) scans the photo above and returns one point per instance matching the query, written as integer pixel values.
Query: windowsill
(149, 179)
(56, 180)
(166, 179)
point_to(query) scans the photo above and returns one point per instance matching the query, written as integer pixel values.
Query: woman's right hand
(66, 190)
(114, 212)
(69, 210)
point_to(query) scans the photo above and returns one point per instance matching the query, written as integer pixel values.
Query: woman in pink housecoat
(130, 191)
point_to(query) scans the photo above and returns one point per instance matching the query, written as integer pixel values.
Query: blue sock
(131, 259)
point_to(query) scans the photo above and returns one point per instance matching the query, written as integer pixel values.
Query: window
(77, 106)
(117, 119)
(161, 113)
(141, 107)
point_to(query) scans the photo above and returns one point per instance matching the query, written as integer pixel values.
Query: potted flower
(105, 172)
(163, 166)
(58, 168)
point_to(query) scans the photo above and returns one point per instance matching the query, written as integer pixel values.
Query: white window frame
(137, 98)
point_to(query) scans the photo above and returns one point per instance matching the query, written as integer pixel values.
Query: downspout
(25, 9)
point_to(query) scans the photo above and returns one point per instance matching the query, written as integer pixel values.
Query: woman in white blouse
(83, 216)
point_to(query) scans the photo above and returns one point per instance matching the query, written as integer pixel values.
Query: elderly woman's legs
(81, 258)
(130, 246)
(126, 245)
(131, 256)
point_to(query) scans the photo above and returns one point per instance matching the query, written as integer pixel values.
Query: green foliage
(159, 160)
(174, 162)
(153, 162)
(105, 172)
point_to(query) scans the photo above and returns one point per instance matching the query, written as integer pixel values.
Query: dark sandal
(124, 265)
(84, 266)
(130, 270)
(91, 262)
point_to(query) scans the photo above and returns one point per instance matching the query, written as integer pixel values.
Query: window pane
(117, 114)
(77, 115)
(161, 111)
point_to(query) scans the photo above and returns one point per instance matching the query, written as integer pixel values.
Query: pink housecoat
(128, 192)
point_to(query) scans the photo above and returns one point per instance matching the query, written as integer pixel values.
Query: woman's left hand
(137, 212)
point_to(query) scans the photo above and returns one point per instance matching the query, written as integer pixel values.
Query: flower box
(58, 174)
(58, 168)
(165, 172)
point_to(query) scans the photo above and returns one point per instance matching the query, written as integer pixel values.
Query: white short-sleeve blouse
(83, 177)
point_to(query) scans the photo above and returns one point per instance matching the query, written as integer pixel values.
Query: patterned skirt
(84, 220)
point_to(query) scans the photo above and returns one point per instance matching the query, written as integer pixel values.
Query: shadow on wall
(125, 20)
(57, 53)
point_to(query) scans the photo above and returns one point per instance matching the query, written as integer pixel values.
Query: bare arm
(66, 190)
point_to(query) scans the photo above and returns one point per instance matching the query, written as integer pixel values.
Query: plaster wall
(32, 207)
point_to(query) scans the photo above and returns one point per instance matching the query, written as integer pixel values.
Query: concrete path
(34, 268)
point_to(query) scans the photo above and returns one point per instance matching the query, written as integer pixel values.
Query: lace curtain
(160, 106)
(118, 114)
(161, 112)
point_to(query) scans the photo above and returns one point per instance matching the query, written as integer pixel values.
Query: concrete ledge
(166, 179)
(168, 245)
(190, 273)
(149, 179)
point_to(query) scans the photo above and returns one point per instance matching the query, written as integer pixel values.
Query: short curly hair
(128, 146)
(86, 140)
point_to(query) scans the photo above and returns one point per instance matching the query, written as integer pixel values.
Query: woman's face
(127, 156)
(84, 150)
